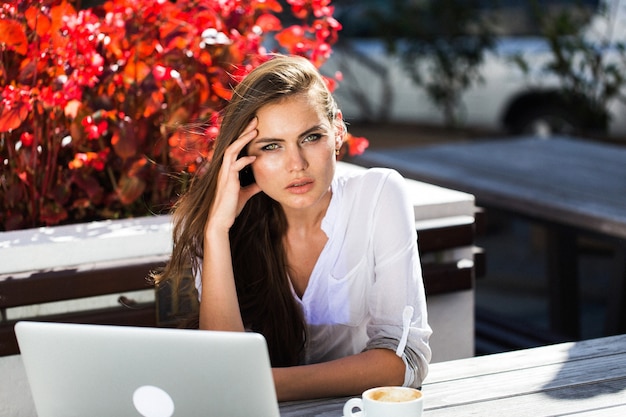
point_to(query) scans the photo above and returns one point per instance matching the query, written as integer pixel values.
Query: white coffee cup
(386, 402)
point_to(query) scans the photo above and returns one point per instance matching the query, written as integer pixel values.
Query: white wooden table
(586, 378)
(581, 379)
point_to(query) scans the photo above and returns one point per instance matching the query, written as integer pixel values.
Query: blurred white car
(376, 88)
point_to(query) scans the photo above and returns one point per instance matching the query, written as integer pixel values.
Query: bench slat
(143, 315)
(431, 240)
(70, 284)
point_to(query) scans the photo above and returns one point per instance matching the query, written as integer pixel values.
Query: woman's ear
(340, 130)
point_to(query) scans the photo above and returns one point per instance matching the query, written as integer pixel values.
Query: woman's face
(295, 150)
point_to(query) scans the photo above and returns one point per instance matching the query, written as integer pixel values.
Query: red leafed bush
(106, 111)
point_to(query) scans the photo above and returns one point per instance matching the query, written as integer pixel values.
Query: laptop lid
(95, 370)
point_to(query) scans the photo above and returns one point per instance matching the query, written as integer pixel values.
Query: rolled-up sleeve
(398, 281)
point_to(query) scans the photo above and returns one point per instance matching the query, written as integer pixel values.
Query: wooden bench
(74, 284)
(46, 287)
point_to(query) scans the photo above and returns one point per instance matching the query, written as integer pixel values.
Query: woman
(322, 265)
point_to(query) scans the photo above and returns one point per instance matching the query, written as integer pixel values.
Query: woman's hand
(230, 197)
(219, 307)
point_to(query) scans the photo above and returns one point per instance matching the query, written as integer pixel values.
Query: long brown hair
(259, 259)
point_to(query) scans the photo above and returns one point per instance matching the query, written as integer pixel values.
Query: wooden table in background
(581, 379)
(569, 185)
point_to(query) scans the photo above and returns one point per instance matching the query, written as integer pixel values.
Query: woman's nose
(296, 160)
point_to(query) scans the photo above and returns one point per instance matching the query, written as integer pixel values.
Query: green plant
(106, 112)
(442, 44)
(589, 64)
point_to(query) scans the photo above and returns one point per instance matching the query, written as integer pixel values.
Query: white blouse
(367, 273)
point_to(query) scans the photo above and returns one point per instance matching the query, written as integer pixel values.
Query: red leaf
(221, 91)
(28, 70)
(291, 36)
(58, 14)
(146, 48)
(170, 28)
(179, 117)
(130, 189)
(52, 213)
(124, 143)
(136, 71)
(137, 166)
(188, 147)
(272, 5)
(23, 175)
(203, 87)
(89, 185)
(13, 36)
(37, 21)
(81, 203)
(205, 58)
(269, 23)
(12, 118)
(356, 145)
(154, 103)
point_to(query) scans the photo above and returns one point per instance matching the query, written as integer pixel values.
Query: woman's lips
(300, 186)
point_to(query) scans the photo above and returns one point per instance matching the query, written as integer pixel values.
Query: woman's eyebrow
(304, 134)
(310, 130)
(267, 140)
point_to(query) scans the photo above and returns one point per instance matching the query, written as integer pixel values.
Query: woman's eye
(313, 137)
(270, 147)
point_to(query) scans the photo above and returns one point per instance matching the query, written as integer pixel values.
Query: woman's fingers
(251, 126)
(244, 139)
(233, 161)
(243, 162)
(231, 197)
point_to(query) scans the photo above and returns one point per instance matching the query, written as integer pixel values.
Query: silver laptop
(94, 370)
